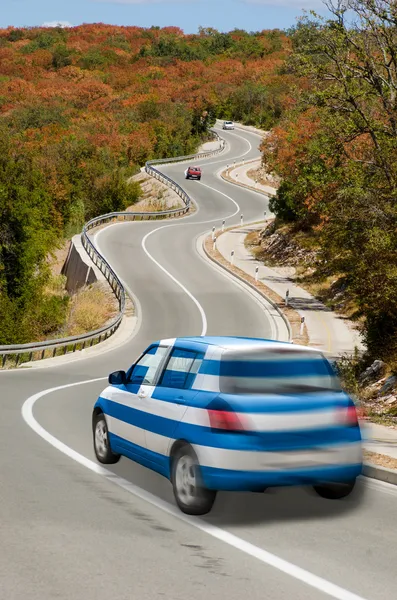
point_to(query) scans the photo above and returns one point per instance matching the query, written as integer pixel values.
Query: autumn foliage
(81, 109)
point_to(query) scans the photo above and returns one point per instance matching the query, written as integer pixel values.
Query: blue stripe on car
(253, 441)
(223, 479)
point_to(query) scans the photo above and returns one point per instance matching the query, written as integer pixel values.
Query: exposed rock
(390, 400)
(376, 370)
(390, 384)
(283, 250)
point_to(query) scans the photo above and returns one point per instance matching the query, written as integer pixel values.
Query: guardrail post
(302, 325)
(3, 362)
(223, 225)
(232, 257)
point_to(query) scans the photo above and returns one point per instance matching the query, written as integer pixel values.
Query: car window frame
(169, 356)
(160, 367)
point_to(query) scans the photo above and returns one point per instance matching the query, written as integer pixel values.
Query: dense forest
(81, 109)
(336, 152)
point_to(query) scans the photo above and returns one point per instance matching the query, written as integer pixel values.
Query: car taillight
(225, 420)
(348, 416)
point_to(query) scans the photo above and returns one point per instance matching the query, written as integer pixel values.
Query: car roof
(239, 343)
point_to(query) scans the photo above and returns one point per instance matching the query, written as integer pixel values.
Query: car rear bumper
(230, 480)
(247, 470)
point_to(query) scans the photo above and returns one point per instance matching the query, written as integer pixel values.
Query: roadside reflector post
(302, 325)
(232, 257)
(214, 246)
(256, 273)
(264, 214)
(286, 297)
(213, 232)
(242, 220)
(223, 225)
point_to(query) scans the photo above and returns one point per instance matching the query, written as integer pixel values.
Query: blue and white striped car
(228, 413)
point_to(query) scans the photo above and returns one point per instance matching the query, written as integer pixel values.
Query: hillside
(81, 109)
(335, 151)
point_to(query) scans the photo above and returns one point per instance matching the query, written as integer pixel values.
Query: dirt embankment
(296, 254)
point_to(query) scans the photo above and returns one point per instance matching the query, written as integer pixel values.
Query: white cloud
(57, 24)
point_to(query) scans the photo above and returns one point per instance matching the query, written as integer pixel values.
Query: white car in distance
(228, 125)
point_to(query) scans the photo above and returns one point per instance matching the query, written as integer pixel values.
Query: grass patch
(89, 309)
(388, 462)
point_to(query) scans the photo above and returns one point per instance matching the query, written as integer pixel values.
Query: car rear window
(276, 372)
(195, 169)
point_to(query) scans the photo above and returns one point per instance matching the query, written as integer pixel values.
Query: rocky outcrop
(279, 247)
(379, 391)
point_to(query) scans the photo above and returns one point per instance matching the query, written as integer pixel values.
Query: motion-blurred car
(193, 173)
(228, 125)
(228, 413)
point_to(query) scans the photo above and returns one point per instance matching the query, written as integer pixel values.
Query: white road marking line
(201, 161)
(174, 279)
(318, 583)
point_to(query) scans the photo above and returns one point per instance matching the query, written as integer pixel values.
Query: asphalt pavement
(73, 530)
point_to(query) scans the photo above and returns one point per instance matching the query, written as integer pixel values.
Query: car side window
(145, 370)
(181, 369)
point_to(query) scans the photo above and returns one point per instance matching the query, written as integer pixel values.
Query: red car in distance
(193, 173)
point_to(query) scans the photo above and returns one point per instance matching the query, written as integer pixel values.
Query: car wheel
(102, 448)
(190, 495)
(199, 178)
(335, 491)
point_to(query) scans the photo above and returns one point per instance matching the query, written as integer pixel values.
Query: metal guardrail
(19, 353)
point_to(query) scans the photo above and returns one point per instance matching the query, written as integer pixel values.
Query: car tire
(335, 491)
(191, 496)
(102, 448)
(199, 178)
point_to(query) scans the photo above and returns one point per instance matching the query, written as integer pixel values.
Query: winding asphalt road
(71, 529)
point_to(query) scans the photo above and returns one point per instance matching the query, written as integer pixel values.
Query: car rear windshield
(276, 372)
(195, 169)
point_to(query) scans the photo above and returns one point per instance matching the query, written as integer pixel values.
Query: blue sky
(224, 15)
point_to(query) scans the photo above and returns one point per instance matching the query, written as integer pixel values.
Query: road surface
(73, 530)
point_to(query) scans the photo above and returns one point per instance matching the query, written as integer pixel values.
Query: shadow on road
(280, 505)
(245, 508)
